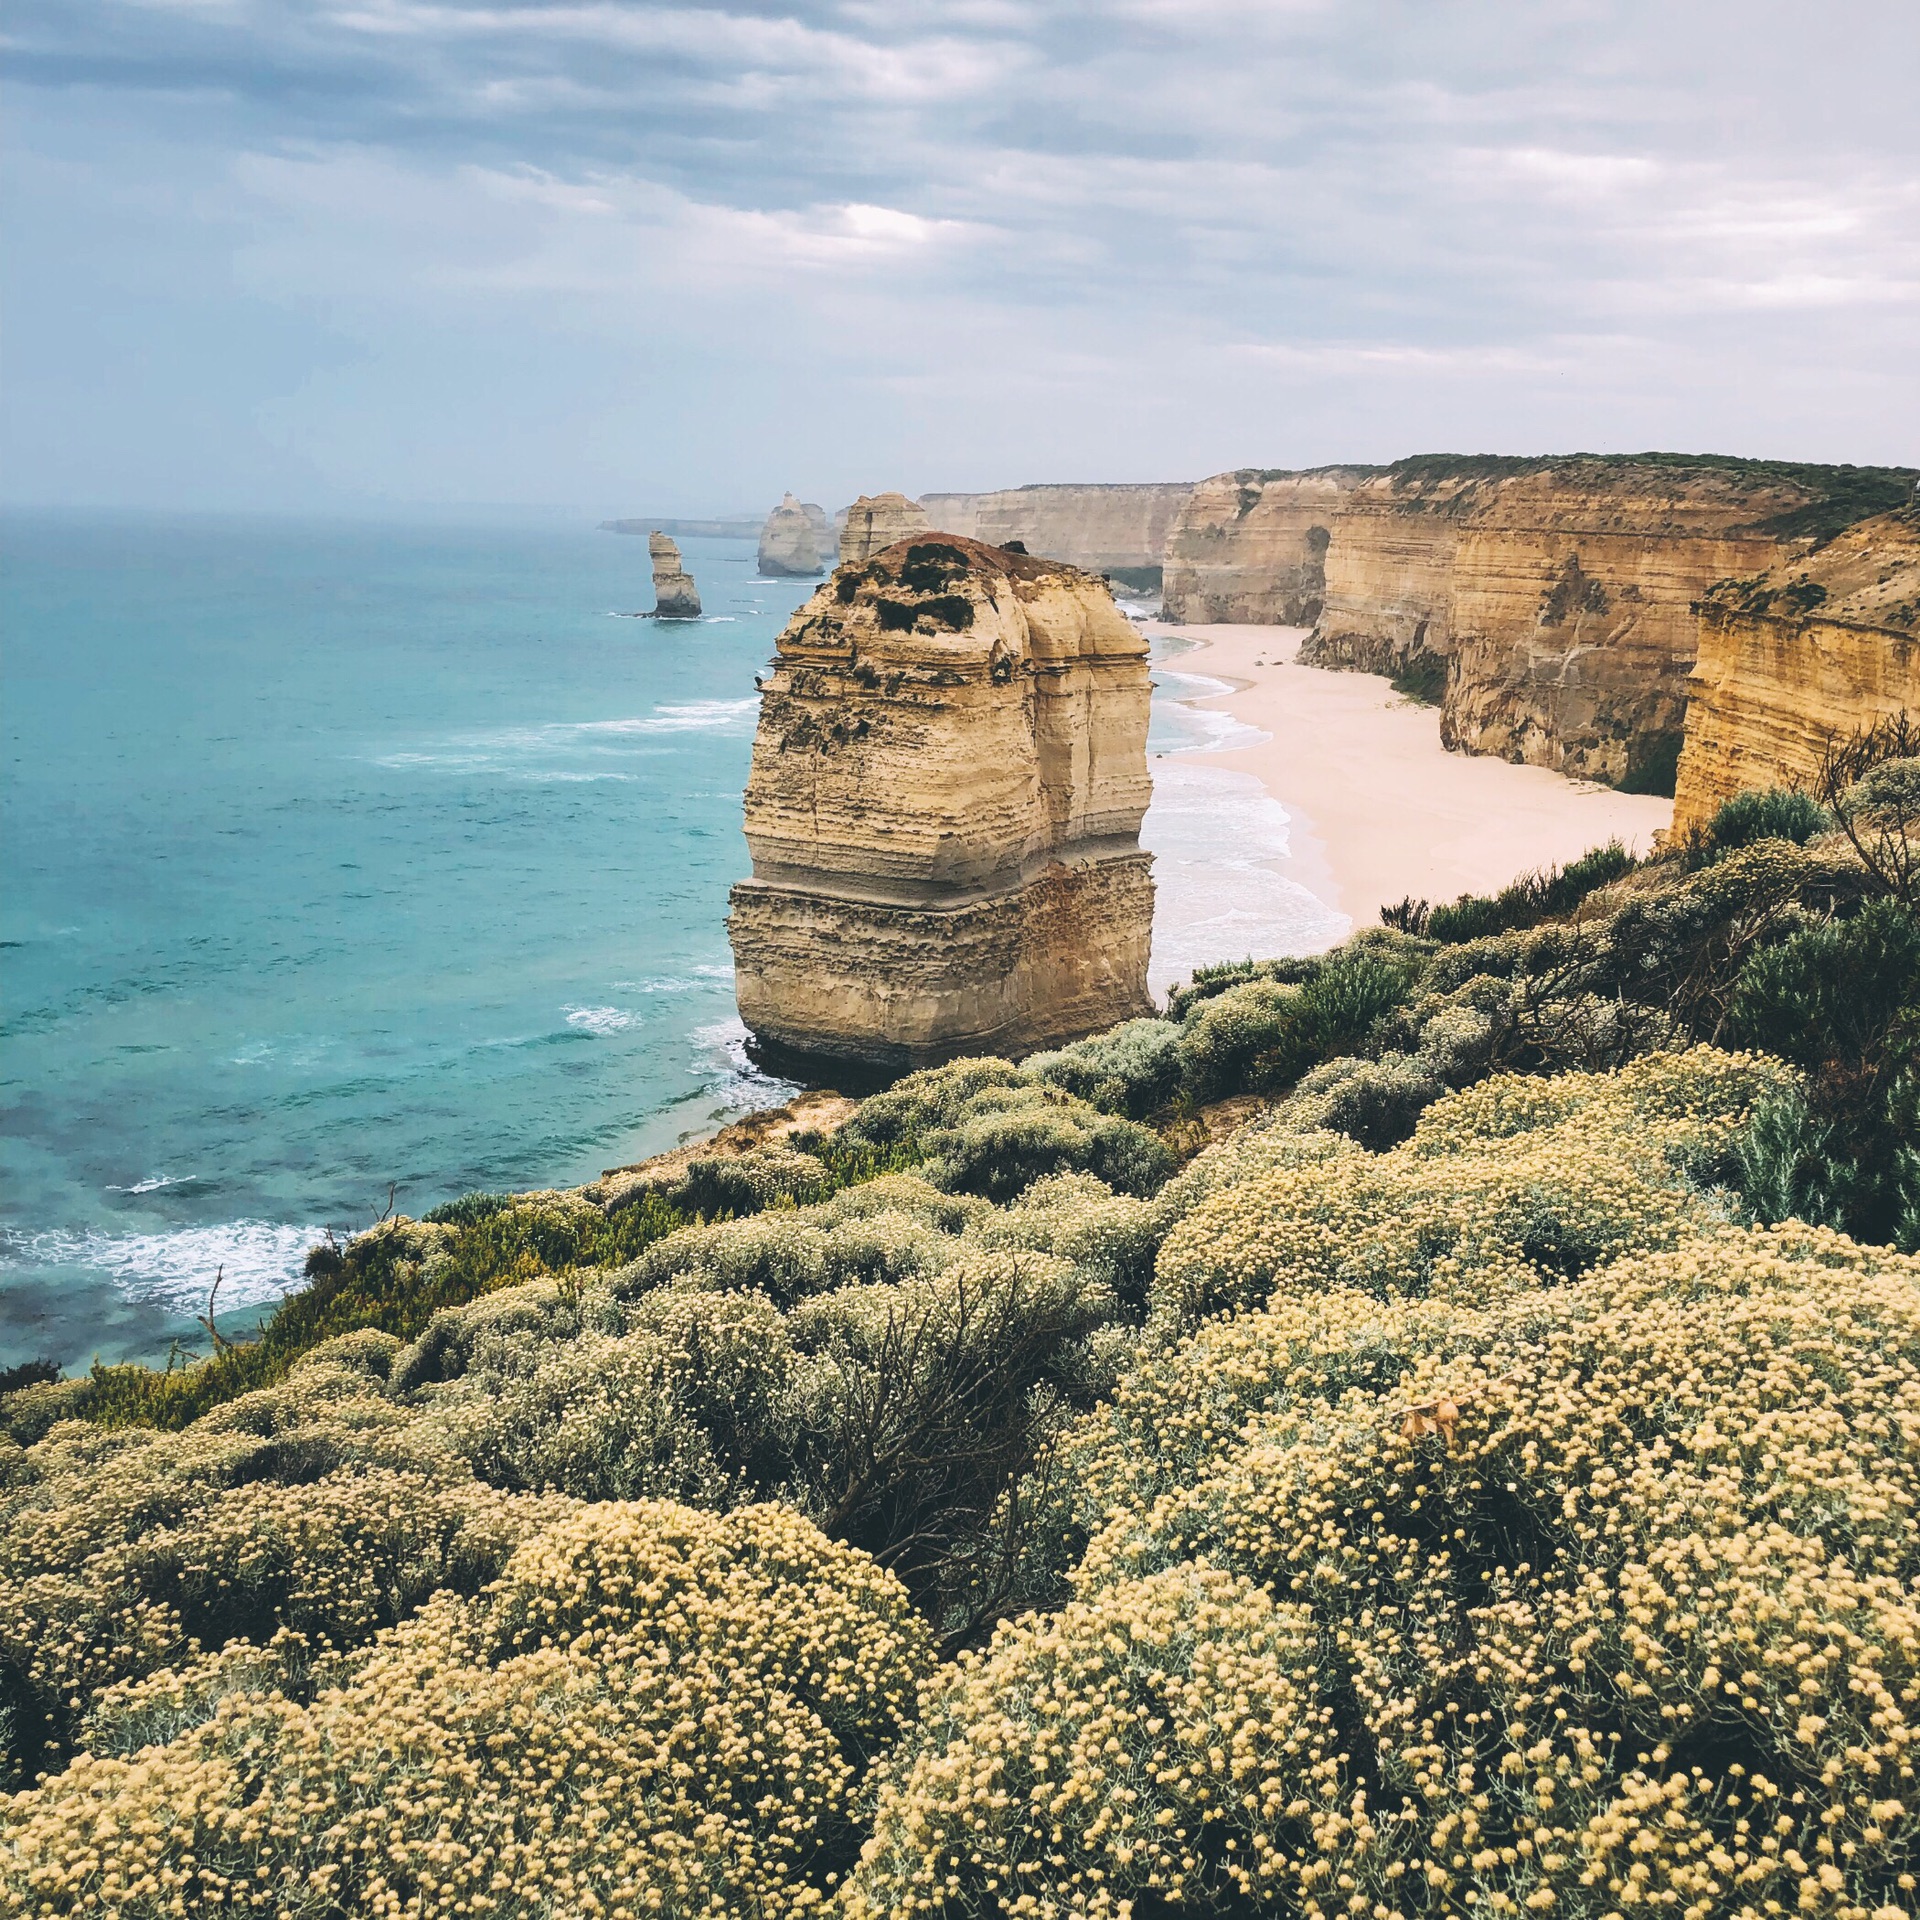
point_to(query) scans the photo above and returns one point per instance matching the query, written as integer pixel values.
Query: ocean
(350, 866)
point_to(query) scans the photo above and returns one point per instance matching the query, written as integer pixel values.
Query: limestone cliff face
(790, 541)
(1119, 529)
(1550, 599)
(1252, 547)
(952, 512)
(675, 597)
(1812, 651)
(1104, 529)
(876, 522)
(944, 812)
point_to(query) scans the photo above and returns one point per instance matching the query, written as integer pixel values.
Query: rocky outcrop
(1546, 603)
(1252, 546)
(944, 812)
(876, 522)
(790, 542)
(675, 597)
(1810, 652)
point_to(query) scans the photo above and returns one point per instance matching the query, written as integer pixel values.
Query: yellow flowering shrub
(317, 1505)
(1513, 1183)
(656, 1711)
(1488, 1524)
(1611, 1599)
(1163, 1739)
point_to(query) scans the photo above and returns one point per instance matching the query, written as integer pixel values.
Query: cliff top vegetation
(1485, 1477)
(1833, 497)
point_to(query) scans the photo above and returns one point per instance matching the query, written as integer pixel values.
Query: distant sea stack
(1546, 603)
(877, 522)
(793, 540)
(1811, 651)
(675, 597)
(944, 812)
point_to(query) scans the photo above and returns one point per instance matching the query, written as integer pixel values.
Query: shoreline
(1377, 808)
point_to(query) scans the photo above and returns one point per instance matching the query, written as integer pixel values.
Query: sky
(383, 255)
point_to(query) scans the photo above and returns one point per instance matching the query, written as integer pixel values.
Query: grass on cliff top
(1837, 495)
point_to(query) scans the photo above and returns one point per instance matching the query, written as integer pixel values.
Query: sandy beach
(1376, 808)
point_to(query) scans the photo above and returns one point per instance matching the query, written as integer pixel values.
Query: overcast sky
(606, 254)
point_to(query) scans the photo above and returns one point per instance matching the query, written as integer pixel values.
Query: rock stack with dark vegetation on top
(943, 813)
(675, 597)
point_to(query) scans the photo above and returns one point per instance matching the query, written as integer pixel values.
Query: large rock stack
(944, 813)
(793, 540)
(675, 597)
(878, 521)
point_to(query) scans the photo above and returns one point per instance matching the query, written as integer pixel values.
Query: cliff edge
(1805, 653)
(944, 811)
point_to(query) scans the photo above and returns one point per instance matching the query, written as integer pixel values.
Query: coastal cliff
(1546, 603)
(1807, 653)
(943, 813)
(1251, 547)
(1120, 530)
(877, 521)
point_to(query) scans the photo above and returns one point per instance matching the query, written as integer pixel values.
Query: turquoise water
(339, 856)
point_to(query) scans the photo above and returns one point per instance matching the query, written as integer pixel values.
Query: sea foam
(257, 1261)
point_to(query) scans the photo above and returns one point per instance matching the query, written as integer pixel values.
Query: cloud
(714, 243)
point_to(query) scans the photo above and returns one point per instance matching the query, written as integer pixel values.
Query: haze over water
(341, 855)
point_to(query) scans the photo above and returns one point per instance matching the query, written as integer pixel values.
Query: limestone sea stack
(790, 541)
(1812, 651)
(876, 522)
(944, 813)
(675, 597)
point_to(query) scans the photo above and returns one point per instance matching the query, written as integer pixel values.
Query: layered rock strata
(944, 812)
(1117, 530)
(1546, 603)
(1806, 654)
(790, 541)
(1252, 546)
(878, 521)
(675, 597)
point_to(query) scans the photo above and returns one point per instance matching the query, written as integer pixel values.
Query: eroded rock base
(898, 986)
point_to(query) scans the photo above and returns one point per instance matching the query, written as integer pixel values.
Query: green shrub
(1772, 813)
(1130, 1070)
(1007, 1138)
(1839, 999)
(1227, 1033)
(1529, 900)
